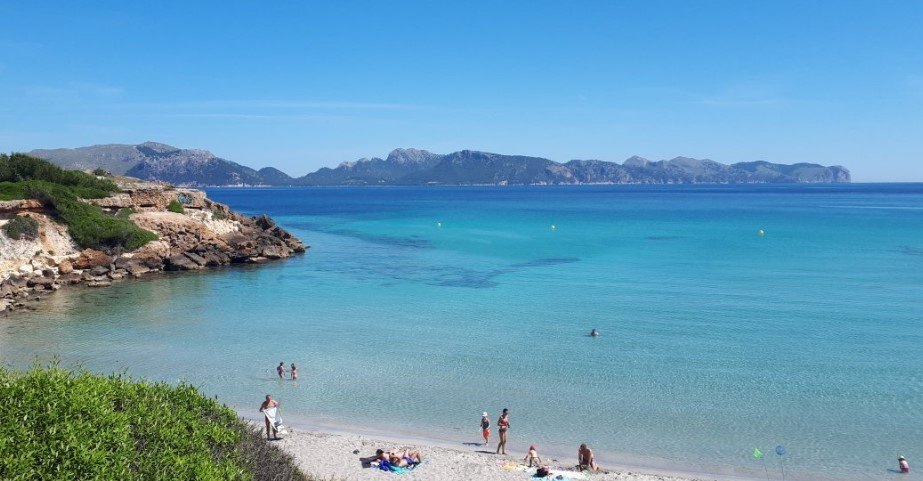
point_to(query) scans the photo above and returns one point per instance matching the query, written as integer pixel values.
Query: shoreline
(325, 448)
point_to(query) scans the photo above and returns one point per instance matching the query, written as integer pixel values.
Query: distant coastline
(200, 168)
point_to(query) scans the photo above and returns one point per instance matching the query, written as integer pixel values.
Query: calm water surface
(715, 340)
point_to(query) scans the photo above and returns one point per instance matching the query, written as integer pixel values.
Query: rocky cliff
(205, 234)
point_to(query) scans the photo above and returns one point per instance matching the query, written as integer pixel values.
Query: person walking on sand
(269, 403)
(294, 372)
(902, 464)
(585, 459)
(280, 369)
(485, 428)
(503, 425)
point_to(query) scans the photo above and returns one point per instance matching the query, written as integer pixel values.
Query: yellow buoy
(761, 233)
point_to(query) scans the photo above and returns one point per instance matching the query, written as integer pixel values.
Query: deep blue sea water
(417, 308)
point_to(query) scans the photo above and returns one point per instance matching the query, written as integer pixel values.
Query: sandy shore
(332, 457)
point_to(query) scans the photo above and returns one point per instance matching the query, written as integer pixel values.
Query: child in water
(533, 458)
(485, 428)
(902, 463)
(294, 372)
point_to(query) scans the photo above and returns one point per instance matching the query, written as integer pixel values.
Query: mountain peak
(410, 156)
(636, 161)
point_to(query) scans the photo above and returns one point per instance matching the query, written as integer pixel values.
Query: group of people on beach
(586, 461)
(280, 370)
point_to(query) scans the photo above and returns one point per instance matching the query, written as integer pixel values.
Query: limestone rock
(90, 258)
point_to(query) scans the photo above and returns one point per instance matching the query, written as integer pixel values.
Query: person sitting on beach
(294, 372)
(532, 457)
(269, 403)
(485, 428)
(281, 370)
(585, 459)
(902, 464)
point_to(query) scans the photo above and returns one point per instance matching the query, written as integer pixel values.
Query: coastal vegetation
(60, 424)
(21, 227)
(175, 206)
(60, 190)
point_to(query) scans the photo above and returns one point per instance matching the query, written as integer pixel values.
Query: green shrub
(219, 214)
(24, 177)
(100, 172)
(175, 206)
(21, 227)
(21, 167)
(57, 424)
(87, 224)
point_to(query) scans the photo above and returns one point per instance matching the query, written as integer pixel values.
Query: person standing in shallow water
(903, 465)
(503, 425)
(280, 369)
(294, 372)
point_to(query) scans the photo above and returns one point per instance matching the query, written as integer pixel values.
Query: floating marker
(438, 224)
(761, 233)
(554, 227)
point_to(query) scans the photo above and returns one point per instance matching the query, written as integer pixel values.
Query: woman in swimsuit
(503, 426)
(294, 372)
(485, 429)
(281, 370)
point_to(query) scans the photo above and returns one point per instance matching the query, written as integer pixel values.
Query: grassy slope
(57, 424)
(24, 177)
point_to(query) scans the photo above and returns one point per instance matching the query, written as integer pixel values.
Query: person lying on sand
(400, 459)
(585, 459)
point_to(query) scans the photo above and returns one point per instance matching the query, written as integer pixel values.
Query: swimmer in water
(594, 333)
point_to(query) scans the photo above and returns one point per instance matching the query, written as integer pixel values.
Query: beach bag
(542, 472)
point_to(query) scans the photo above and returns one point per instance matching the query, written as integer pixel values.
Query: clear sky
(304, 84)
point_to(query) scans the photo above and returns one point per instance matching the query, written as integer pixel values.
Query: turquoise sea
(417, 308)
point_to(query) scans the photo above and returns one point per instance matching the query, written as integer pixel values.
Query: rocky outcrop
(207, 234)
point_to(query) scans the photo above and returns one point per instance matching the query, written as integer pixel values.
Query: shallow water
(715, 340)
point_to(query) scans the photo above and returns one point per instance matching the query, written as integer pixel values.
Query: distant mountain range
(193, 167)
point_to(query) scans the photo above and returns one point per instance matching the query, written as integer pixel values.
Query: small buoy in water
(554, 227)
(438, 224)
(761, 233)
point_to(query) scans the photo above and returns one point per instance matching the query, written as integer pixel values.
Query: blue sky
(300, 85)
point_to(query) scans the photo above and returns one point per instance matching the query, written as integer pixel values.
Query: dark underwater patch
(911, 251)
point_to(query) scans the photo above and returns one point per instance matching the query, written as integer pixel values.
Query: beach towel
(272, 414)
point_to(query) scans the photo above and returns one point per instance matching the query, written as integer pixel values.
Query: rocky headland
(198, 234)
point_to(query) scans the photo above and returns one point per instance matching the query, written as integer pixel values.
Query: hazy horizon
(299, 87)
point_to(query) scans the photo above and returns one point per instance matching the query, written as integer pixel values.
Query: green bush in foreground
(57, 424)
(21, 227)
(175, 206)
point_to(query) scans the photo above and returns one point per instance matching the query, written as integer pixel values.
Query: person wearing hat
(485, 428)
(902, 463)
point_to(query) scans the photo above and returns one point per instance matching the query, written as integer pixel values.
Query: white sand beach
(332, 457)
